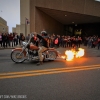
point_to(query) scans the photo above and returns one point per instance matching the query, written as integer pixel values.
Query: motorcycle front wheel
(17, 56)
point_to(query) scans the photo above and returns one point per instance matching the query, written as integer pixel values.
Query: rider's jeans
(42, 49)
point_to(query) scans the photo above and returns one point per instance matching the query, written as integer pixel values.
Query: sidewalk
(1, 48)
(91, 52)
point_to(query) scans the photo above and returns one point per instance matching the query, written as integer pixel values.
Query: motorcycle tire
(16, 58)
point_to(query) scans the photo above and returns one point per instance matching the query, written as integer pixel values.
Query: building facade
(3, 25)
(13, 29)
(16, 29)
(60, 16)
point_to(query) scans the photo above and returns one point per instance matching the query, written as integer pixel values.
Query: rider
(44, 46)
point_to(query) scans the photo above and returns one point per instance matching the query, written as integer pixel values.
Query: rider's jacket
(43, 41)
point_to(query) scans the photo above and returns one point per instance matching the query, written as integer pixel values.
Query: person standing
(79, 41)
(1, 39)
(98, 43)
(11, 40)
(27, 37)
(5, 39)
(15, 39)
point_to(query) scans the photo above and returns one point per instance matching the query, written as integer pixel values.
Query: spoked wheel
(52, 55)
(17, 56)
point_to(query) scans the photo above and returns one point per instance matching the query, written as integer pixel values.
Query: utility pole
(25, 28)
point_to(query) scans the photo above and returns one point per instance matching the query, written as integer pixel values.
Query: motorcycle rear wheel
(16, 58)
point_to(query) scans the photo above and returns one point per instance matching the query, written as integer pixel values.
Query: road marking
(47, 71)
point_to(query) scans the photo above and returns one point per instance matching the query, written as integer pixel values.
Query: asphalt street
(54, 80)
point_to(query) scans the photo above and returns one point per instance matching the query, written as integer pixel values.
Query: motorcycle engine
(33, 52)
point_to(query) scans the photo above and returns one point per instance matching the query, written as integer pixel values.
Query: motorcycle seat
(49, 49)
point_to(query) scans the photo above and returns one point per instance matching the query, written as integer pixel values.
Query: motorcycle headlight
(24, 44)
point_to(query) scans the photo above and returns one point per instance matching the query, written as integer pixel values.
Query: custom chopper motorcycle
(29, 51)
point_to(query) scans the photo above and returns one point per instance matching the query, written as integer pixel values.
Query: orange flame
(63, 57)
(70, 54)
(80, 53)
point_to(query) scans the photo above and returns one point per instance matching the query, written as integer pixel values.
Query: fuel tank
(33, 47)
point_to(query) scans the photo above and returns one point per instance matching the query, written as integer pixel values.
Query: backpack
(56, 41)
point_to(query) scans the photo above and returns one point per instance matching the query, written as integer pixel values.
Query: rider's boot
(40, 63)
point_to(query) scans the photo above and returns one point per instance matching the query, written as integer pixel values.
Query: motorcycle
(29, 51)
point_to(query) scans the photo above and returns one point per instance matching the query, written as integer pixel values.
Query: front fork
(21, 52)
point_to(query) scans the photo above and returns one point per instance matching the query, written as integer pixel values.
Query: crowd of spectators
(65, 41)
(13, 39)
(10, 39)
(60, 41)
(92, 41)
(70, 41)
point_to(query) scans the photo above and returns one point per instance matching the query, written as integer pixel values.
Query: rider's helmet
(44, 33)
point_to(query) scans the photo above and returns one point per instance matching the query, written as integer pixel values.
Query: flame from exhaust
(70, 54)
(80, 53)
(63, 57)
